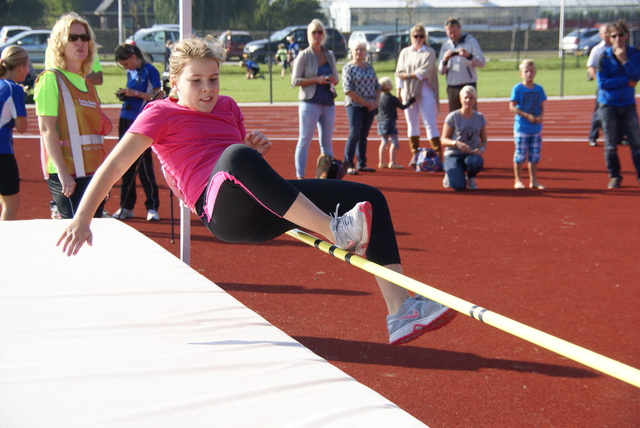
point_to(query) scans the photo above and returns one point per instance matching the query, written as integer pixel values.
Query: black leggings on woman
(249, 199)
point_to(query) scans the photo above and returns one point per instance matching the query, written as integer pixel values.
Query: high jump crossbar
(591, 359)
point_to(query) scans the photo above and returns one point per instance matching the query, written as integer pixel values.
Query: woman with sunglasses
(143, 86)
(315, 72)
(417, 77)
(72, 125)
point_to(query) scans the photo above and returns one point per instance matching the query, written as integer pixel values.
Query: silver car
(9, 31)
(33, 41)
(154, 42)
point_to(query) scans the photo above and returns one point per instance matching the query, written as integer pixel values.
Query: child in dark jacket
(387, 117)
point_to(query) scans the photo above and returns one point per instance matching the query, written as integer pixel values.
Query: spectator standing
(14, 67)
(143, 86)
(617, 79)
(417, 77)
(592, 67)
(316, 73)
(387, 117)
(282, 59)
(362, 93)
(464, 136)
(72, 125)
(293, 49)
(526, 103)
(459, 57)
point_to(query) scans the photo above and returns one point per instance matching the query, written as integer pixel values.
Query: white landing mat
(126, 335)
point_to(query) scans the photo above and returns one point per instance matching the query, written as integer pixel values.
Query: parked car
(153, 42)
(437, 35)
(573, 41)
(388, 45)
(362, 36)
(258, 49)
(9, 31)
(33, 41)
(234, 42)
(586, 44)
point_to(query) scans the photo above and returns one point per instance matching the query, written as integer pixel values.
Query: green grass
(495, 80)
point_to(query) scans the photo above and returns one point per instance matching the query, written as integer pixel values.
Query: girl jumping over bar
(218, 170)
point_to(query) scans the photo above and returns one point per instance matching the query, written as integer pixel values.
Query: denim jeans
(456, 166)
(360, 120)
(595, 124)
(617, 122)
(311, 116)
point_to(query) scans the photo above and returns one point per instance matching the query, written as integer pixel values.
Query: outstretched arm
(119, 160)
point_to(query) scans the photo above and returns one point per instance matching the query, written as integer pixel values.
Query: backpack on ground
(329, 167)
(427, 160)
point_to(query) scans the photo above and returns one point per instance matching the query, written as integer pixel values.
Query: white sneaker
(415, 317)
(122, 214)
(471, 184)
(152, 215)
(445, 181)
(351, 231)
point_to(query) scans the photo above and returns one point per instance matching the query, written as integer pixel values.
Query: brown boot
(436, 146)
(414, 145)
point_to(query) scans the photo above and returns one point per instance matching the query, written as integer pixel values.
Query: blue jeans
(311, 116)
(360, 120)
(595, 123)
(456, 166)
(618, 121)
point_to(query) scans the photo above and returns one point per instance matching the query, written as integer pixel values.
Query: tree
(166, 11)
(287, 12)
(53, 9)
(21, 12)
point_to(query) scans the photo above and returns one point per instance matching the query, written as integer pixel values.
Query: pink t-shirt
(189, 143)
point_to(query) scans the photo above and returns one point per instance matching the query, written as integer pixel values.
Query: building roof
(460, 4)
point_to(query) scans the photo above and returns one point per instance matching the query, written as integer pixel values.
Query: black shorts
(9, 175)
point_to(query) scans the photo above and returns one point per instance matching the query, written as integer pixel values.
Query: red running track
(563, 260)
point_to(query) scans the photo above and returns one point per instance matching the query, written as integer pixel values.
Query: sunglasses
(83, 37)
(615, 36)
(452, 22)
(317, 32)
(418, 36)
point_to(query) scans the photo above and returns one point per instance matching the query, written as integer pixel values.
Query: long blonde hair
(191, 48)
(60, 36)
(12, 57)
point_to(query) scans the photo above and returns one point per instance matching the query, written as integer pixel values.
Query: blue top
(529, 101)
(144, 79)
(323, 93)
(12, 105)
(252, 65)
(613, 78)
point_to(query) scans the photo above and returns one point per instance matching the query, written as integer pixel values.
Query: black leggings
(144, 167)
(67, 207)
(249, 199)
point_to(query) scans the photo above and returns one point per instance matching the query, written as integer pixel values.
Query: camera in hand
(121, 96)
